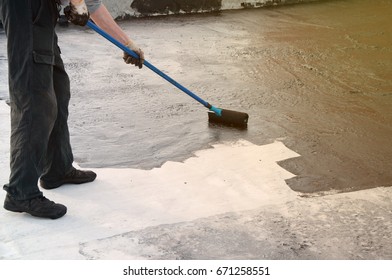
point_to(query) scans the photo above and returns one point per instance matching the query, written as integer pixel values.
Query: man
(39, 97)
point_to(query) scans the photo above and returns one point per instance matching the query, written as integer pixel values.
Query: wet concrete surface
(315, 76)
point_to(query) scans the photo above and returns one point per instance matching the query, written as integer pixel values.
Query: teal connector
(217, 111)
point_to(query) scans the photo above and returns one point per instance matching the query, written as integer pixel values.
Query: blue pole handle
(153, 68)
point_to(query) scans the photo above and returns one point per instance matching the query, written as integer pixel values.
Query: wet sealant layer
(316, 76)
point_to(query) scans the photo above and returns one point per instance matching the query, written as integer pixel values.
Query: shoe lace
(74, 173)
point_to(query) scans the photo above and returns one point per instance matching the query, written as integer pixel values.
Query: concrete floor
(308, 179)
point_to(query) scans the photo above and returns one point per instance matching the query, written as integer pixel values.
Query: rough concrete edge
(123, 9)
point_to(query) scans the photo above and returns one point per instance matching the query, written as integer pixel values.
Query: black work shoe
(74, 177)
(37, 206)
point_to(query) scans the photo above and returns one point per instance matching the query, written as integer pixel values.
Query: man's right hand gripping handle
(77, 12)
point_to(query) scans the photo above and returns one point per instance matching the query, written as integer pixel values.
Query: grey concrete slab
(353, 226)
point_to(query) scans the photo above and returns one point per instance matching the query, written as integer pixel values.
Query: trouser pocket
(44, 22)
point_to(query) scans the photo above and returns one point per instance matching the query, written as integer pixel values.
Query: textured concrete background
(121, 9)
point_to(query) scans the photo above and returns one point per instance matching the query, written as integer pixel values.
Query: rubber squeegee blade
(229, 118)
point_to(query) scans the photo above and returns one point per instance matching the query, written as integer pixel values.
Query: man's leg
(29, 28)
(59, 159)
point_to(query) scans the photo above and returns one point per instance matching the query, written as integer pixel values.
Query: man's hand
(77, 12)
(130, 59)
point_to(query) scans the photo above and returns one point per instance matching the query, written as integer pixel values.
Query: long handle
(93, 26)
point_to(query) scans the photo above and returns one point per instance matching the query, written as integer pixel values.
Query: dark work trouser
(39, 96)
